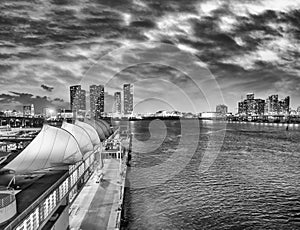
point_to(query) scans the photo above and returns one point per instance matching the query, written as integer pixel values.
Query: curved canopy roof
(51, 147)
(100, 128)
(91, 131)
(109, 131)
(81, 136)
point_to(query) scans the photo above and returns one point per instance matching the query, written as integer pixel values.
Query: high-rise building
(97, 100)
(242, 107)
(82, 100)
(259, 107)
(284, 106)
(28, 110)
(272, 105)
(251, 106)
(128, 98)
(222, 109)
(77, 98)
(117, 103)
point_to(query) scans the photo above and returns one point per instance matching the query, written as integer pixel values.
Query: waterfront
(253, 183)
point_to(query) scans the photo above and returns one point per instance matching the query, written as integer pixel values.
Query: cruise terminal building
(41, 182)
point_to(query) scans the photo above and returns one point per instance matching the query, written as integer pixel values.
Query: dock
(99, 204)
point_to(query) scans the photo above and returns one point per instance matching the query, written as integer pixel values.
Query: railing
(30, 208)
(118, 220)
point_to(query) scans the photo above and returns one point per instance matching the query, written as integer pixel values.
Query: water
(252, 184)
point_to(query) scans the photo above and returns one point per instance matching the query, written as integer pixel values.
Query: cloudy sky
(209, 52)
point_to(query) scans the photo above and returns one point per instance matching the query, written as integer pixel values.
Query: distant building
(274, 106)
(164, 113)
(209, 115)
(117, 103)
(284, 106)
(97, 100)
(66, 114)
(242, 107)
(77, 98)
(298, 110)
(251, 106)
(259, 106)
(271, 105)
(11, 113)
(128, 99)
(222, 110)
(28, 110)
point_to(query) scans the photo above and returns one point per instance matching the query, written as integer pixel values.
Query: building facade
(284, 106)
(271, 106)
(251, 106)
(28, 110)
(117, 103)
(97, 100)
(274, 106)
(77, 98)
(128, 99)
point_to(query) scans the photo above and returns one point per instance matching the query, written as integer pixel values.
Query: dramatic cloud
(47, 88)
(18, 100)
(249, 46)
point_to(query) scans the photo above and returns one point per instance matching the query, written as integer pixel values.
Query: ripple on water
(253, 184)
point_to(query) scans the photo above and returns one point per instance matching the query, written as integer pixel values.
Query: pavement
(97, 204)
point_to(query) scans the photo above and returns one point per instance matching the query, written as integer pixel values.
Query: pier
(99, 205)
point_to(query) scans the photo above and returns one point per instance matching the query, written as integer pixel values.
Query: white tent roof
(99, 128)
(106, 127)
(51, 147)
(91, 131)
(81, 136)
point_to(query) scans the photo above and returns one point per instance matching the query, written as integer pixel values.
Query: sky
(186, 55)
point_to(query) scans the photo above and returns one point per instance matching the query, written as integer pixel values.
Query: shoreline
(207, 119)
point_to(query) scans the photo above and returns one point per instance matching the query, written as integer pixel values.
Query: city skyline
(81, 100)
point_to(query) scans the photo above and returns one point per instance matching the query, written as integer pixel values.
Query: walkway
(96, 205)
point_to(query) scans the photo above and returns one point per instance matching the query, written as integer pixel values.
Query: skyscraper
(128, 98)
(96, 100)
(117, 103)
(77, 98)
(82, 100)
